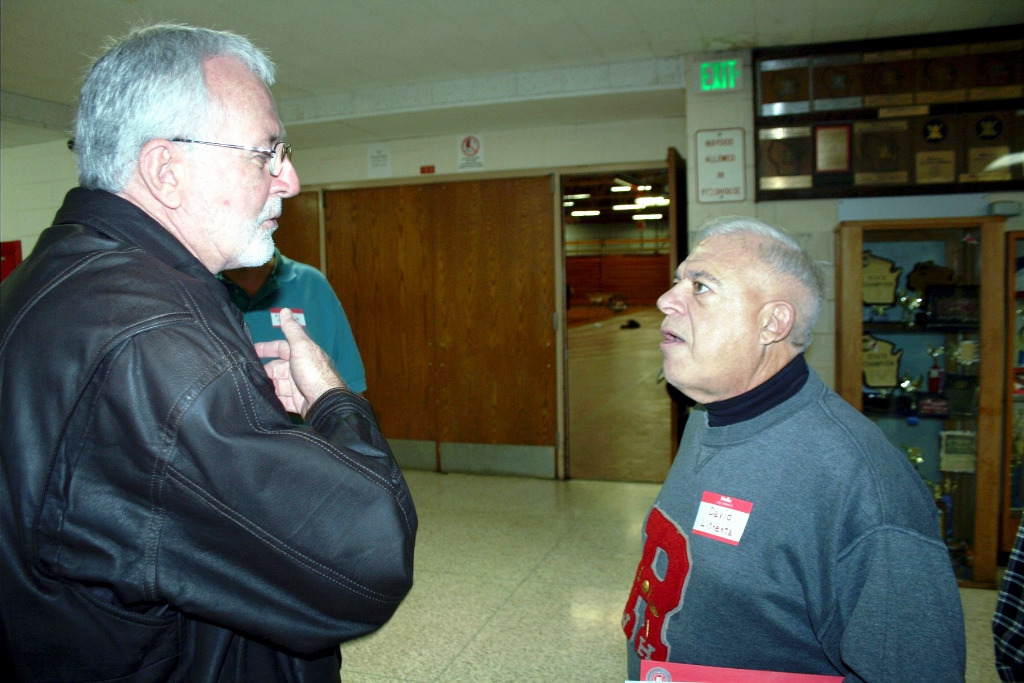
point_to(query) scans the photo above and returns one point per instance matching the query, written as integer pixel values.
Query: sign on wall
(10, 256)
(471, 153)
(720, 164)
(378, 160)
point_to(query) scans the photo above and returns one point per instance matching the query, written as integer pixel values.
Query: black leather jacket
(162, 518)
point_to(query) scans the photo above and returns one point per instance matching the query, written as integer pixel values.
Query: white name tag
(275, 316)
(722, 518)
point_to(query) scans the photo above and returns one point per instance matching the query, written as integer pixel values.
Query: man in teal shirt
(262, 291)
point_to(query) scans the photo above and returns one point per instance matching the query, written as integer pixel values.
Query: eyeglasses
(277, 155)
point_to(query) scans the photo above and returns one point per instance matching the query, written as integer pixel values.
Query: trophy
(965, 354)
(910, 302)
(908, 401)
(879, 312)
(944, 501)
(915, 454)
(936, 375)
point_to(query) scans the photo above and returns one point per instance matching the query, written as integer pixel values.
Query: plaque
(988, 137)
(942, 74)
(880, 278)
(877, 401)
(832, 148)
(882, 152)
(890, 78)
(997, 71)
(785, 158)
(881, 362)
(836, 83)
(785, 87)
(982, 166)
(935, 149)
(934, 406)
(953, 306)
(958, 452)
(928, 273)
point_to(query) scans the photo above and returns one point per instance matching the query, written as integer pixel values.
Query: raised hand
(301, 370)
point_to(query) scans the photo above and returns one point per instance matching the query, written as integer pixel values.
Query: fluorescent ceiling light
(647, 217)
(621, 188)
(627, 207)
(586, 213)
(652, 201)
(568, 203)
(576, 196)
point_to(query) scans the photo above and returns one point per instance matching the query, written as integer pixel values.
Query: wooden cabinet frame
(1011, 518)
(850, 238)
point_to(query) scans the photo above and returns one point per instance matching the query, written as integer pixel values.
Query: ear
(161, 171)
(777, 318)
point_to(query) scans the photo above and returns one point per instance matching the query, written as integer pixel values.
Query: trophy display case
(920, 350)
(1013, 426)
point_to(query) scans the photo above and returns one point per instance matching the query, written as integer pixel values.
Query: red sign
(10, 256)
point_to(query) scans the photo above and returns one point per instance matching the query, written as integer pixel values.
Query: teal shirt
(301, 287)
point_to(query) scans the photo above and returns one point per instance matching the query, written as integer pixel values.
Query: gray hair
(150, 84)
(783, 255)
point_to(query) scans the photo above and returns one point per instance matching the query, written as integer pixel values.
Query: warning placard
(471, 153)
(720, 164)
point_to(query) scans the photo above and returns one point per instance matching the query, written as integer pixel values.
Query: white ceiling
(370, 70)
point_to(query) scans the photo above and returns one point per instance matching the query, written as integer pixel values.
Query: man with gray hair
(162, 518)
(790, 535)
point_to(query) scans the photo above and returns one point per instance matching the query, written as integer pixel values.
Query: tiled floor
(524, 580)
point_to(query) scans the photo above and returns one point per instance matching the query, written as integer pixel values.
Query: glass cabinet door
(915, 316)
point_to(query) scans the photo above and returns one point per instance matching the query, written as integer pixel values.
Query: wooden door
(450, 292)
(494, 307)
(380, 263)
(298, 229)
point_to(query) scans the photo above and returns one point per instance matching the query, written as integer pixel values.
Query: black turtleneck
(785, 383)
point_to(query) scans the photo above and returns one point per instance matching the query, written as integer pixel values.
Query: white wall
(33, 182)
(527, 149)
(33, 179)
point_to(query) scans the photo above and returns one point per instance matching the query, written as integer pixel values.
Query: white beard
(260, 246)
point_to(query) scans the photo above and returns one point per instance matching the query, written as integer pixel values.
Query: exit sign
(722, 75)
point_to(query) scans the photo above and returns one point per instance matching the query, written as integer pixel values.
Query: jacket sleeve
(300, 535)
(899, 615)
(181, 486)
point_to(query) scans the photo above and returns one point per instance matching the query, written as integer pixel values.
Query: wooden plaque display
(937, 146)
(907, 115)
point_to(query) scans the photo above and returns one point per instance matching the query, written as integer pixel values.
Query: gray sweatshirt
(800, 540)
